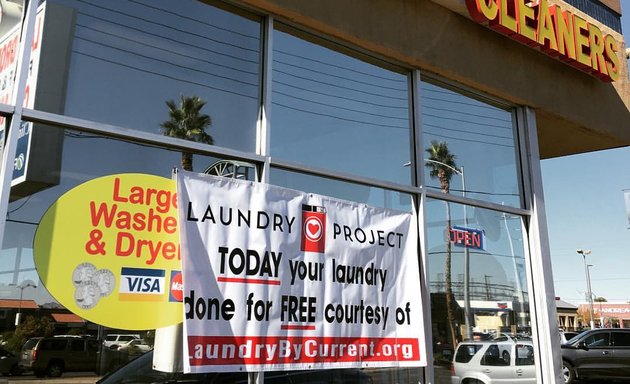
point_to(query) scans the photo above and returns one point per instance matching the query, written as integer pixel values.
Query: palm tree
(187, 122)
(441, 163)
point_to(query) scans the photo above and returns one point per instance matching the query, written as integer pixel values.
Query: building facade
(442, 108)
(608, 315)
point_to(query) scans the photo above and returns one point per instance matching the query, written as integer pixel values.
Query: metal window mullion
(520, 145)
(263, 132)
(476, 203)
(134, 135)
(417, 167)
(19, 90)
(286, 165)
(416, 131)
(545, 331)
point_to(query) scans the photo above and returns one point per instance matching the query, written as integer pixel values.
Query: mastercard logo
(176, 287)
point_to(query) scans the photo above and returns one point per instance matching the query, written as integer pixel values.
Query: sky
(585, 210)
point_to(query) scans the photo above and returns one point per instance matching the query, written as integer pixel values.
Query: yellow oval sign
(108, 250)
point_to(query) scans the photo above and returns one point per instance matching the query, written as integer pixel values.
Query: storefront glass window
(489, 299)
(334, 111)
(128, 58)
(331, 109)
(479, 137)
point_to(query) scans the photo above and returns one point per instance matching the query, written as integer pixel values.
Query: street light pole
(19, 313)
(584, 252)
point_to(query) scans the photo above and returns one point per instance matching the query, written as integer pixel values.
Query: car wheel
(506, 357)
(55, 369)
(568, 374)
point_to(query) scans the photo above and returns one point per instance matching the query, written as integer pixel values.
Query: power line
(371, 84)
(469, 132)
(183, 16)
(188, 33)
(337, 107)
(163, 48)
(467, 140)
(165, 76)
(212, 74)
(335, 66)
(405, 108)
(276, 103)
(336, 85)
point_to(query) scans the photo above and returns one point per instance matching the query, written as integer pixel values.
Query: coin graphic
(105, 280)
(83, 274)
(87, 296)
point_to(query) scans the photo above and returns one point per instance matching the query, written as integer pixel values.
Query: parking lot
(67, 378)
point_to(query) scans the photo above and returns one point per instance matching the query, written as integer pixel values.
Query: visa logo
(144, 284)
(141, 284)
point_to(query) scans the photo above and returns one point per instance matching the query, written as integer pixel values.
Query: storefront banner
(278, 279)
(108, 250)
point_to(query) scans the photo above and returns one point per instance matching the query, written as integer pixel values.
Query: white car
(116, 340)
(135, 347)
(487, 363)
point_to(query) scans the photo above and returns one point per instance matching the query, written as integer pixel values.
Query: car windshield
(571, 335)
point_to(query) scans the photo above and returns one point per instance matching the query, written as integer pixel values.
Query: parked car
(135, 347)
(9, 363)
(54, 355)
(51, 356)
(484, 362)
(141, 370)
(597, 354)
(117, 339)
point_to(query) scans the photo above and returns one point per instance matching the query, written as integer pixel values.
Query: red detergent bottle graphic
(313, 228)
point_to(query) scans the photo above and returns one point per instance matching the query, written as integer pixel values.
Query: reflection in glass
(334, 111)
(129, 57)
(373, 196)
(85, 157)
(480, 137)
(241, 170)
(497, 292)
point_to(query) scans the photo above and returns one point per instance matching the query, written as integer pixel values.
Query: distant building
(64, 320)
(609, 314)
(567, 315)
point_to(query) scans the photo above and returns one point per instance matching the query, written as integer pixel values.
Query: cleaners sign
(108, 250)
(554, 30)
(277, 279)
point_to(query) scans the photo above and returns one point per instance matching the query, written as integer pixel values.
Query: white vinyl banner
(277, 279)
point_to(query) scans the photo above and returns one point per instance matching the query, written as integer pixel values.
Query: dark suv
(597, 354)
(54, 355)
